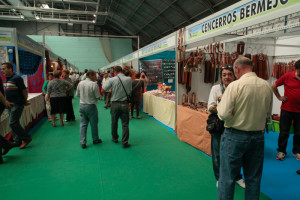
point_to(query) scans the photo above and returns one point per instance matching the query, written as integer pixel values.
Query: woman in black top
(136, 95)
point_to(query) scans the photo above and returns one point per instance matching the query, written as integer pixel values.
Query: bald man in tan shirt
(244, 107)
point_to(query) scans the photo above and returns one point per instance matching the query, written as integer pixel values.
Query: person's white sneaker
(297, 156)
(217, 184)
(280, 156)
(241, 183)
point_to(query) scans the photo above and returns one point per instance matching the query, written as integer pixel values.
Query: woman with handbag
(136, 95)
(214, 125)
(57, 96)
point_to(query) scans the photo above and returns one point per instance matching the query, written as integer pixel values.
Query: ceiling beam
(72, 2)
(132, 13)
(122, 27)
(186, 21)
(112, 11)
(97, 9)
(17, 3)
(163, 10)
(140, 16)
(207, 4)
(180, 11)
(167, 22)
(131, 22)
(53, 10)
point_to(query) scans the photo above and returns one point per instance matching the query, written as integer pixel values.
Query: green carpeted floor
(156, 166)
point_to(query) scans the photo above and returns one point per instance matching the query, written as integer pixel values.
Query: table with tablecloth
(161, 109)
(32, 113)
(191, 128)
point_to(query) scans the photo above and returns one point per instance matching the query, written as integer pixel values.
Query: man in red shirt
(290, 111)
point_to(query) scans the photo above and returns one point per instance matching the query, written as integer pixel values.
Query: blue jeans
(88, 114)
(241, 149)
(215, 151)
(18, 131)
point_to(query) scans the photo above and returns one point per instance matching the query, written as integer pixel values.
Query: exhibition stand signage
(130, 57)
(241, 15)
(6, 36)
(159, 46)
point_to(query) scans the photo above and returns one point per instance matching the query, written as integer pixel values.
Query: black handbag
(128, 96)
(214, 124)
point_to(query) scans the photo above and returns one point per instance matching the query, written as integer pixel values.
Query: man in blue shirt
(121, 88)
(16, 93)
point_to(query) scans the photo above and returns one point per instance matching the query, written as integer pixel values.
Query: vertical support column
(176, 76)
(17, 51)
(44, 60)
(138, 53)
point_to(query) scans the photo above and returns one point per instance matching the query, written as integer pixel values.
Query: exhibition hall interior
(149, 99)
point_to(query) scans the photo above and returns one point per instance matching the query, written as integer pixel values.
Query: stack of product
(190, 102)
(163, 91)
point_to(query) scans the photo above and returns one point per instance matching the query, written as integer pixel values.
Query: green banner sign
(240, 14)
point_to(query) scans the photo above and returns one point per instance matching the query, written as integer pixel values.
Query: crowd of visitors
(118, 89)
(237, 143)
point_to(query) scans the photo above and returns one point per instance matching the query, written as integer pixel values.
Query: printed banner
(5, 37)
(243, 13)
(164, 44)
(130, 57)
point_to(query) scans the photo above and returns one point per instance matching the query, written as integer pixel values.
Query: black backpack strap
(128, 97)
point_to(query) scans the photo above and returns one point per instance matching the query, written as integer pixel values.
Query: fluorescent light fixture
(70, 24)
(45, 6)
(94, 21)
(22, 16)
(37, 17)
(94, 15)
(14, 10)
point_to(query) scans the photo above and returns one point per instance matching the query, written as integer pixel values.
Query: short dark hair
(56, 74)
(297, 64)
(8, 65)
(86, 70)
(126, 72)
(118, 68)
(137, 75)
(90, 73)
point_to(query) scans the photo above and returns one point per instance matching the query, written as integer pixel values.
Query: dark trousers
(136, 104)
(70, 111)
(18, 131)
(120, 110)
(4, 144)
(286, 118)
(215, 151)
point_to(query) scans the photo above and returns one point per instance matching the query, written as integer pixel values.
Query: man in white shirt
(227, 76)
(89, 94)
(244, 108)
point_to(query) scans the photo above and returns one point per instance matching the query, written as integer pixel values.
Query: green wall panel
(86, 53)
